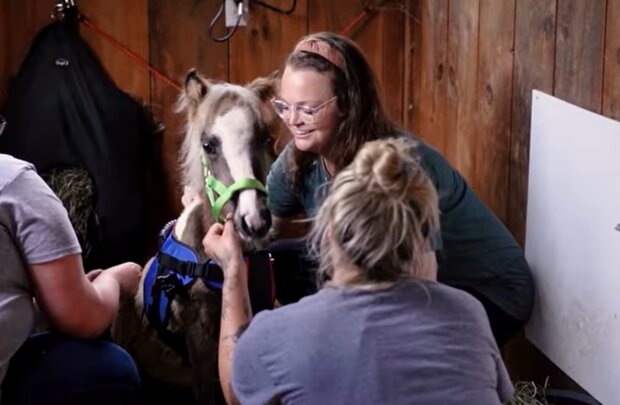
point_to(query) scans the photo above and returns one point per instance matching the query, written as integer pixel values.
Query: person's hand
(222, 244)
(189, 196)
(93, 274)
(128, 277)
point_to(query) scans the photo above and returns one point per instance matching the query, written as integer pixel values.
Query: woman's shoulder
(444, 298)
(284, 158)
(307, 308)
(11, 168)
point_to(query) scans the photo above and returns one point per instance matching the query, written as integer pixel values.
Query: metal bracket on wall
(232, 10)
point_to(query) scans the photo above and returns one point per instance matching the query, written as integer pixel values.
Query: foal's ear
(196, 88)
(265, 87)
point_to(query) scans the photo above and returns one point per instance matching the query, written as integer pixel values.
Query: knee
(119, 365)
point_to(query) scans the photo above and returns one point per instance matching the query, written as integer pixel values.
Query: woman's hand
(128, 277)
(93, 274)
(189, 196)
(222, 244)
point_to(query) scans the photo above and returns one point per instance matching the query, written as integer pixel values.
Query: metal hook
(65, 10)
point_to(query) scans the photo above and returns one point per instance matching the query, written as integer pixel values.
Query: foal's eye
(210, 147)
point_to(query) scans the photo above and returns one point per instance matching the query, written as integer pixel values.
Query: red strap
(353, 23)
(88, 23)
(131, 54)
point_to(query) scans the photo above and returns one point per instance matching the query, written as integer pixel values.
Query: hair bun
(385, 166)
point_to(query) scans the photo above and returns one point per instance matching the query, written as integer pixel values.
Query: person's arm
(43, 234)
(289, 228)
(72, 303)
(221, 245)
(236, 315)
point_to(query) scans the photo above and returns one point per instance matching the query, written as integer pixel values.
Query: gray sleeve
(283, 201)
(251, 380)
(505, 390)
(37, 220)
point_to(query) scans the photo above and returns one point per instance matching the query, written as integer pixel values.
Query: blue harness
(176, 267)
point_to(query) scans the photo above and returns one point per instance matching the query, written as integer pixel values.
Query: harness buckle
(169, 283)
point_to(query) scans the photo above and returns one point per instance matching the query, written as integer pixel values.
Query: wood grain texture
(461, 113)
(327, 15)
(127, 24)
(427, 72)
(534, 64)
(611, 79)
(262, 46)
(393, 61)
(579, 53)
(24, 19)
(494, 89)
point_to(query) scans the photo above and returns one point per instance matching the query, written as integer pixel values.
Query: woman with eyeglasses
(329, 100)
(382, 330)
(42, 276)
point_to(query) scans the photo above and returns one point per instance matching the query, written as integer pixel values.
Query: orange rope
(131, 54)
(354, 22)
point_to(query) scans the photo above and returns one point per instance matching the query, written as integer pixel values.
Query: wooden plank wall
(457, 72)
(472, 65)
(174, 37)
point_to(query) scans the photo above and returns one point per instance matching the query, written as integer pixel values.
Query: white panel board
(572, 243)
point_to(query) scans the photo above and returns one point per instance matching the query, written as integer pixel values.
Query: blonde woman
(380, 331)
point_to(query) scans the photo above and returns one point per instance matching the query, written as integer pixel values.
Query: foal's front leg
(201, 319)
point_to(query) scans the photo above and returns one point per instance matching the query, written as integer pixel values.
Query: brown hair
(357, 94)
(378, 215)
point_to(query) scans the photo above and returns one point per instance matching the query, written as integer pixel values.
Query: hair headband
(323, 49)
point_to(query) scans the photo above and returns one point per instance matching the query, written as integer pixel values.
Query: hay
(528, 393)
(76, 190)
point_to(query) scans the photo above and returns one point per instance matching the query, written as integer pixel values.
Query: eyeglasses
(2, 124)
(306, 114)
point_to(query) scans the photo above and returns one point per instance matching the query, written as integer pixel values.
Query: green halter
(214, 186)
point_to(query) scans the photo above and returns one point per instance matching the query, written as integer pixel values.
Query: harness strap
(208, 271)
(171, 287)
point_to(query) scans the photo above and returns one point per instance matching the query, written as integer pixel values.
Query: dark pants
(54, 369)
(295, 277)
(294, 273)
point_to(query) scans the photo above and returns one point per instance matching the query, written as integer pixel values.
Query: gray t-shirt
(34, 228)
(415, 343)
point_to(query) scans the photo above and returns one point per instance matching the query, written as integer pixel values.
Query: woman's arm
(42, 232)
(289, 228)
(236, 315)
(72, 303)
(221, 244)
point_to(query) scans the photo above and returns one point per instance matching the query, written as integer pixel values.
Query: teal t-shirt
(476, 252)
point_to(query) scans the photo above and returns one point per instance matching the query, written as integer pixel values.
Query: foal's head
(227, 151)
